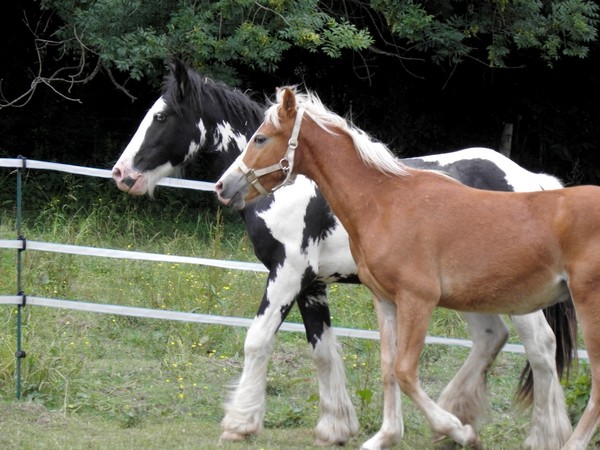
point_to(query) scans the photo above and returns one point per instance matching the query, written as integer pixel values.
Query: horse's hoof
(476, 444)
(320, 443)
(232, 436)
(438, 438)
(324, 443)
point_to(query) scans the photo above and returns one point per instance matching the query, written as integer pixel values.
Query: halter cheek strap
(286, 163)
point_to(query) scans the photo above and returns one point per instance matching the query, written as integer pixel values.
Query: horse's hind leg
(550, 427)
(392, 428)
(337, 421)
(465, 396)
(587, 305)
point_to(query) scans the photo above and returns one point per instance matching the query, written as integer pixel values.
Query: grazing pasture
(93, 380)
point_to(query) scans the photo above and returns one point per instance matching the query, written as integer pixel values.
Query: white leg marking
(550, 425)
(337, 422)
(245, 409)
(465, 396)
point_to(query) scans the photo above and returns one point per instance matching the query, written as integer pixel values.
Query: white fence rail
(21, 244)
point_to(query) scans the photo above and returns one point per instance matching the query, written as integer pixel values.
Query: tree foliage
(215, 36)
(492, 31)
(77, 39)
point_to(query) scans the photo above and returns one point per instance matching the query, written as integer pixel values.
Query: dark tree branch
(64, 79)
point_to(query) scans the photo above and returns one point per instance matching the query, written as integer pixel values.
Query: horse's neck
(230, 117)
(219, 156)
(347, 183)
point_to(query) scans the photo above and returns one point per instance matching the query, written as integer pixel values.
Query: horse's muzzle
(129, 181)
(232, 192)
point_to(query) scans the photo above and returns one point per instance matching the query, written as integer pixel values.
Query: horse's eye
(160, 117)
(260, 139)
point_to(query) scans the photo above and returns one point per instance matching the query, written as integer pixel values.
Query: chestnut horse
(421, 239)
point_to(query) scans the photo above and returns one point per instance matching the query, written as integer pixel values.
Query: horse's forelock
(312, 106)
(170, 92)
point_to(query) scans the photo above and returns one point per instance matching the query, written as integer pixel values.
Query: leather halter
(286, 163)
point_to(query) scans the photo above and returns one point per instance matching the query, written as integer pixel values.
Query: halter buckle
(284, 164)
(251, 177)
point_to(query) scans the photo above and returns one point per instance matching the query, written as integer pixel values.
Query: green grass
(104, 381)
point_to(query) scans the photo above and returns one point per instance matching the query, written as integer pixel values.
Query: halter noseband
(286, 163)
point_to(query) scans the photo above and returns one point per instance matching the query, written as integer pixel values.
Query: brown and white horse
(421, 240)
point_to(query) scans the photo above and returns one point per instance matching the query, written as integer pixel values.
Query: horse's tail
(561, 318)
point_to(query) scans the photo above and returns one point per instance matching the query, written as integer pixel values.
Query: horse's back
(577, 221)
(484, 168)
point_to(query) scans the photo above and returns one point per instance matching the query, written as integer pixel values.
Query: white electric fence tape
(16, 163)
(229, 321)
(126, 254)
(162, 314)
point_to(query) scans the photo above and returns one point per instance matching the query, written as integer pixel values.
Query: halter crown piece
(286, 164)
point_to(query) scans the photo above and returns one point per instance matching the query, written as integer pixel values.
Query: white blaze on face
(126, 159)
(127, 178)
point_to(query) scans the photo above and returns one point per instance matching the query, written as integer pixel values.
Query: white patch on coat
(196, 146)
(228, 135)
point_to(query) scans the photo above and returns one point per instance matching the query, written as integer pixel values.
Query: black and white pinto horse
(305, 248)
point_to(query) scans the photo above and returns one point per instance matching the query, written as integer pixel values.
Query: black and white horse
(305, 248)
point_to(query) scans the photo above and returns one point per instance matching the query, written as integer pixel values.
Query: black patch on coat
(313, 306)
(318, 220)
(477, 173)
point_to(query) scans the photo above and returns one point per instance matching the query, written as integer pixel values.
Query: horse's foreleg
(337, 421)
(465, 396)
(245, 408)
(550, 427)
(392, 428)
(413, 318)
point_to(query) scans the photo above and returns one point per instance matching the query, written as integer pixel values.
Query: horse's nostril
(129, 182)
(117, 174)
(219, 186)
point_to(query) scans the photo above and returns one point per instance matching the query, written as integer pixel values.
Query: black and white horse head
(193, 114)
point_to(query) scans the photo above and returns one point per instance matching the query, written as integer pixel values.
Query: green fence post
(19, 354)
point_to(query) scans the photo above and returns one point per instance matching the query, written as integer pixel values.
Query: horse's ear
(289, 102)
(180, 72)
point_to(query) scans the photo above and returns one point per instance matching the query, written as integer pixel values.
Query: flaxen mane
(372, 152)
